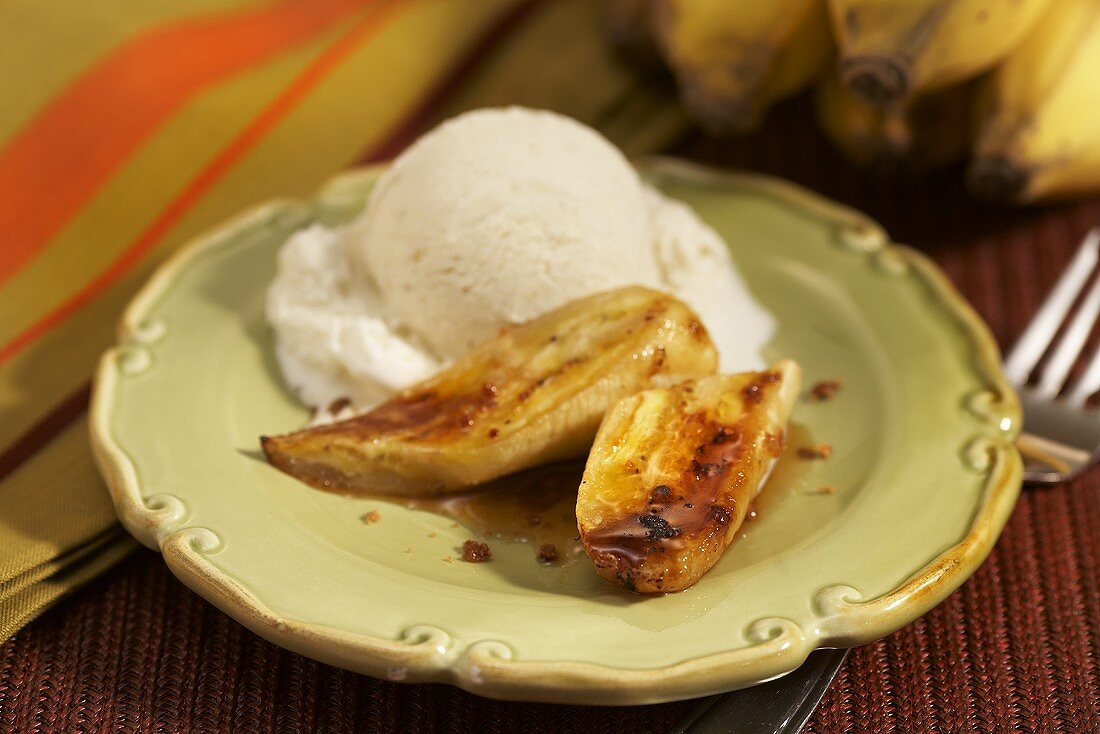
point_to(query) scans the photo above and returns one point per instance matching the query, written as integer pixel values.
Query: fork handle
(781, 706)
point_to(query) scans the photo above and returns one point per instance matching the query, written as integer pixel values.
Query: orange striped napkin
(127, 127)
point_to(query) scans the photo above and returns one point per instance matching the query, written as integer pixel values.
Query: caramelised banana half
(535, 393)
(673, 471)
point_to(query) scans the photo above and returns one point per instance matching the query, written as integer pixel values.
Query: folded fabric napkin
(128, 127)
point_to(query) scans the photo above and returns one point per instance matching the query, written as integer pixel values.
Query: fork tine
(1044, 325)
(1069, 346)
(1086, 384)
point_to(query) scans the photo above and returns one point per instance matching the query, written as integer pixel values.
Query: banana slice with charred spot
(673, 471)
(534, 394)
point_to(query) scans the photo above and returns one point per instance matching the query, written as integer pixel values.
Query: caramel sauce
(705, 501)
(426, 414)
(788, 476)
(537, 506)
(753, 393)
(684, 509)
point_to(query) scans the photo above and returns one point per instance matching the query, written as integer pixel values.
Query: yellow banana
(733, 60)
(894, 49)
(931, 132)
(1038, 134)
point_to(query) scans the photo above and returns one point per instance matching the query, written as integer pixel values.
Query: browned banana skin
(534, 394)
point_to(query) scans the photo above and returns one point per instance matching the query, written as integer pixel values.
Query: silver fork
(1061, 436)
(1061, 441)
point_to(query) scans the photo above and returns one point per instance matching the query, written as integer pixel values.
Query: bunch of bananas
(898, 83)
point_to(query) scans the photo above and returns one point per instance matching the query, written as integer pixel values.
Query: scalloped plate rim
(481, 666)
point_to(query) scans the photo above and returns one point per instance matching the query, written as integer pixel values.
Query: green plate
(924, 469)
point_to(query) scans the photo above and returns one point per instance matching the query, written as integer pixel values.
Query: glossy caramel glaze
(673, 472)
(537, 506)
(534, 394)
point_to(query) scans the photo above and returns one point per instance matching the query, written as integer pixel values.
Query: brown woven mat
(1016, 649)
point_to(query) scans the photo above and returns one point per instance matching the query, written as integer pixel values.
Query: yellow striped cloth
(128, 127)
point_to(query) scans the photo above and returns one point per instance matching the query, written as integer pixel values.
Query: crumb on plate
(339, 404)
(475, 552)
(826, 489)
(824, 390)
(369, 518)
(547, 553)
(817, 451)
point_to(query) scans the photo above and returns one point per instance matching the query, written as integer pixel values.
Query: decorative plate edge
(151, 519)
(486, 667)
(845, 618)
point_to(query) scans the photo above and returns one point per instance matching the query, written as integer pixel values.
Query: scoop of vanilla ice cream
(498, 216)
(491, 219)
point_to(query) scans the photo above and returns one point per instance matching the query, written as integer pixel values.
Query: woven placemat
(1016, 649)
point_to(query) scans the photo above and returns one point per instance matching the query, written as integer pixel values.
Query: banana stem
(997, 179)
(877, 80)
(882, 79)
